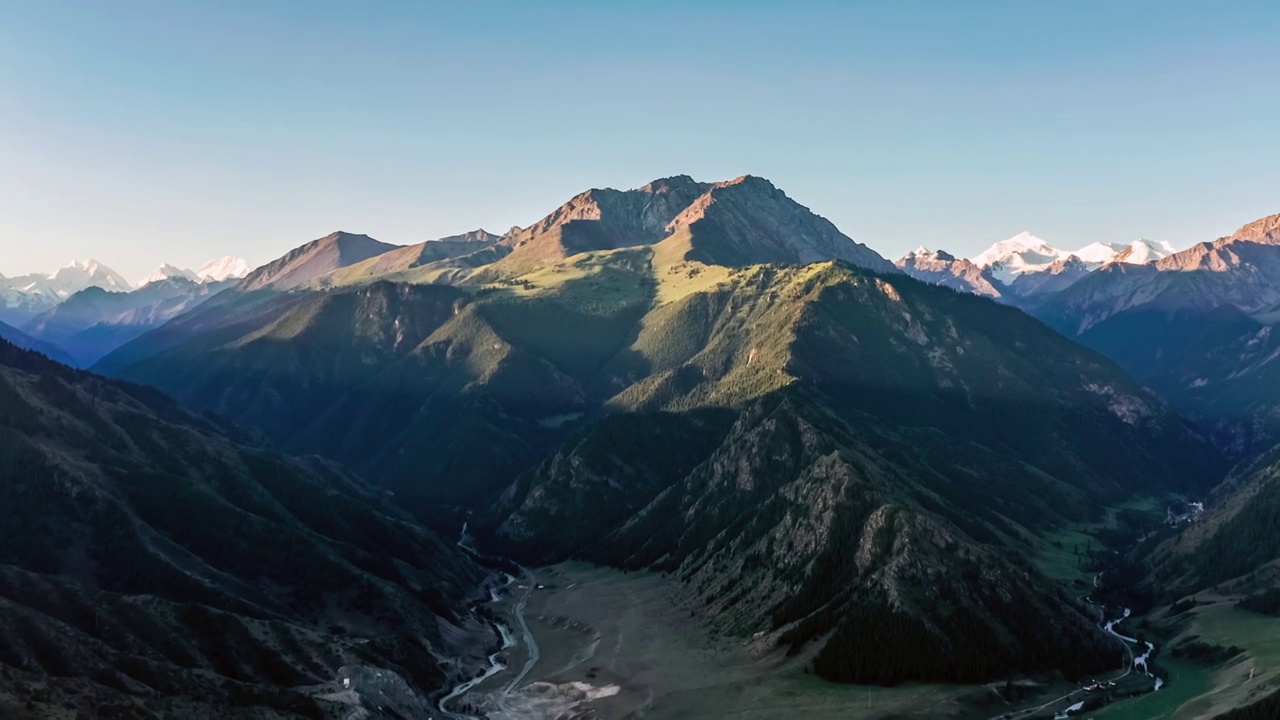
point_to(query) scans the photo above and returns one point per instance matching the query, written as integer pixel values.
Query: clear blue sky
(139, 131)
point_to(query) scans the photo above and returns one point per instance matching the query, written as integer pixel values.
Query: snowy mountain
(1020, 254)
(1026, 253)
(25, 296)
(166, 272)
(1098, 254)
(223, 268)
(227, 267)
(1138, 252)
(1141, 252)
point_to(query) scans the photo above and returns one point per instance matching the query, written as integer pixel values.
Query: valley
(617, 644)
(483, 360)
(620, 644)
(702, 454)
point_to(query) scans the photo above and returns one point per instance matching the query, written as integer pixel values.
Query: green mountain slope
(848, 439)
(823, 449)
(152, 563)
(1234, 547)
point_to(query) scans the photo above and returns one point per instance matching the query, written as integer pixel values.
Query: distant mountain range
(216, 270)
(25, 296)
(1024, 266)
(83, 311)
(1197, 326)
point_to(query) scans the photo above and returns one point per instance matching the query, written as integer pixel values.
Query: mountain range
(1025, 266)
(156, 563)
(829, 456)
(706, 379)
(86, 310)
(1196, 326)
(24, 296)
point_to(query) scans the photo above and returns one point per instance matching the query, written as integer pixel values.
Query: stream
(508, 638)
(1139, 661)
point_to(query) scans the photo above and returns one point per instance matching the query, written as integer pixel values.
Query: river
(509, 641)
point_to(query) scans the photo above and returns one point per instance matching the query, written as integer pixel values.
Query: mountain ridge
(153, 556)
(312, 260)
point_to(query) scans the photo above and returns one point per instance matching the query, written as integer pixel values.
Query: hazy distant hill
(93, 322)
(17, 337)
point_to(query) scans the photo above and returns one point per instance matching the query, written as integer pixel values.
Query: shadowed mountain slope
(1196, 326)
(153, 564)
(695, 395)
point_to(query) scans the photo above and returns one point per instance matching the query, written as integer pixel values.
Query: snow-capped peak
(1143, 251)
(1138, 252)
(165, 272)
(223, 268)
(1022, 253)
(1099, 253)
(80, 274)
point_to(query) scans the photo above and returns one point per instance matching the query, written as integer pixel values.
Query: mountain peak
(80, 274)
(227, 267)
(939, 267)
(601, 219)
(1265, 231)
(479, 235)
(749, 221)
(1142, 251)
(1022, 253)
(922, 253)
(166, 272)
(311, 260)
(671, 184)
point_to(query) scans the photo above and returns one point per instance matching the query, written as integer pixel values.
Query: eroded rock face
(941, 268)
(603, 219)
(748, 221)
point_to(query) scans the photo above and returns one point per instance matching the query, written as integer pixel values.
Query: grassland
(1057, 556)
(1186, 681)
(602, 626)
(1061, 553)
(1243, 680)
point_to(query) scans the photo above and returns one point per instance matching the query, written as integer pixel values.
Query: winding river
(496, 665)
(1139, 661)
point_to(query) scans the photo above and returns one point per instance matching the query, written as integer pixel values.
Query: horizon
(150, 134)
(162, 264)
